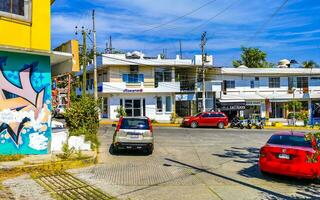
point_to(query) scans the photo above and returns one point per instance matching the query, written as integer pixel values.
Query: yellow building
(26, 60)
(26, 24)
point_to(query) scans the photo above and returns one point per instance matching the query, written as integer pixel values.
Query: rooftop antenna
(110, 45)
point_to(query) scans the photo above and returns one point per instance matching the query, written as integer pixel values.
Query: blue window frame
(133, 78)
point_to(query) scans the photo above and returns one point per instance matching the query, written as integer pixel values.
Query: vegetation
(252, 58)
(309, 64)
(82, 118)
(66, 152)
(5, 158)
(121, 112)
(314, 138)
(294, 105)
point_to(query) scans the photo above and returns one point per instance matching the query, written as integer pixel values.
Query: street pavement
(204, 163)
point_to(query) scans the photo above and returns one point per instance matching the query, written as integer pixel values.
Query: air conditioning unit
(134, 68)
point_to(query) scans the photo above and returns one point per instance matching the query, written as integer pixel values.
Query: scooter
(236, 124)
(249, 124)
(259, 124)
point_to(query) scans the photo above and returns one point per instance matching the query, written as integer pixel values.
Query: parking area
(201, 163)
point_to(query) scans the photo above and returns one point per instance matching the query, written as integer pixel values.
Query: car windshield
(289, 140)
(131, 123)
(197, 115)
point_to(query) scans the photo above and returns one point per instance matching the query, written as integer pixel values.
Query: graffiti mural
(25, 103)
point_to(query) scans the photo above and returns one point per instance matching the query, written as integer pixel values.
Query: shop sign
(133, 90)
(253, 103)
(233, 107)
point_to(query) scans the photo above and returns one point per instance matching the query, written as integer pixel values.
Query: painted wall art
(25, 103)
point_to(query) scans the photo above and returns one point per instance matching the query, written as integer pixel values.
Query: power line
(180, 17)
(264, 25)
(213, 17)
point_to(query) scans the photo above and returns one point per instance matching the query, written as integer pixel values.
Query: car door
(202, 121)
(213, 120)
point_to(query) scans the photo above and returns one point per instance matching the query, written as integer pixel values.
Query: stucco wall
(25, 103)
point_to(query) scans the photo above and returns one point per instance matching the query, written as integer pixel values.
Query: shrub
(82, 118)
(121, 112)
(66, 152)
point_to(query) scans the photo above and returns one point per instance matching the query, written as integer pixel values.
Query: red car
(217, 119)
(288, 154)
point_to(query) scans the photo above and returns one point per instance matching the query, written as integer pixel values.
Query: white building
(266, 91)
(142, 86)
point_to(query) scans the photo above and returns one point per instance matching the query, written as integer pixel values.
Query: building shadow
(306, 189)
(128, 152)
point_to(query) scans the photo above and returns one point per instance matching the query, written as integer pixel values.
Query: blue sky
(292, 34)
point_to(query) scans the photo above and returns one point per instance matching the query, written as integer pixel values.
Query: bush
(67, 152)
(121, 112)
(82, 118)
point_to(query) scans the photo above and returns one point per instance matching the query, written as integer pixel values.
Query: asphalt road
(193, 164)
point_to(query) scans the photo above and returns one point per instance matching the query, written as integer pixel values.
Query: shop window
(17, 9)
(168, 104)
(105, 77)
(159, 104)
(274, 82)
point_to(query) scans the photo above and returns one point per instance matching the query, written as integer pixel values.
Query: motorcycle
(249, 124)
(236, 124)
(259, 124)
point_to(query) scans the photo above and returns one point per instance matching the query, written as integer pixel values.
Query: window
(132, 107)
(132, 123)
(133, 78)
(315, 78)
(230, 84)
(168, 104)
(18, 9)
(289, 140)
(251, 84)
(206, 115)
(274, 82)
(159, 104)
(163, 76)
(302, 82)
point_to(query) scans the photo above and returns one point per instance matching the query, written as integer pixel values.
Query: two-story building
(142, 86)
(266, 91)
(25, 76)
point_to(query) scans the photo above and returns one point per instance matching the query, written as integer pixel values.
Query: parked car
(133, 133)
(59, 111)
(287, 154)
(217, 119)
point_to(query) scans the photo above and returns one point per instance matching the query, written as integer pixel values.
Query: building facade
(25, 76)
(266, 92)
(141, 86)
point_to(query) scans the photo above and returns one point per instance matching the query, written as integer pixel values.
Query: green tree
(314, 138)
(82, 118)
(252, 58)
(309, 64)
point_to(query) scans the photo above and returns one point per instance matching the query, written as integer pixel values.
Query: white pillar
(173, 74)
(310, 109)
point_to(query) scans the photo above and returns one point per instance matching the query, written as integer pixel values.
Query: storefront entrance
(134, 107)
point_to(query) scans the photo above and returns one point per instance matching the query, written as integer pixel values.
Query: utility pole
(203, 44)
(84, 61)
(110, 45)
(95, 84)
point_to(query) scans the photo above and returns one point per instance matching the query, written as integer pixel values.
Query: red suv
(217, 119)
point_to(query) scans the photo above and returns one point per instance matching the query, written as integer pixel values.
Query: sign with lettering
(133, 90)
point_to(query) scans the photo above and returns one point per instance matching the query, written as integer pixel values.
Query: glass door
(133, 107)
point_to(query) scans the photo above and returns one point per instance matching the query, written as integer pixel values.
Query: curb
(52, 165)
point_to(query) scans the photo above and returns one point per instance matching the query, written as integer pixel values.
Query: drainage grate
(65, 186)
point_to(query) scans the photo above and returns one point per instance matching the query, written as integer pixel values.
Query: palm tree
(309, 64)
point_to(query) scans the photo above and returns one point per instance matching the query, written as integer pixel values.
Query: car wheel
(194, 125)
(264, 173)
(221, 125)
(150, 151)
(231, 125)
(114, 149)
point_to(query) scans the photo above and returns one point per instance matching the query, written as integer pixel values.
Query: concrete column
(263, 109)
(173, 72)
(310, 110)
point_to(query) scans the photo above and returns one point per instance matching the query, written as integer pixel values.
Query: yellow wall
(117, 71)
(34, 35)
